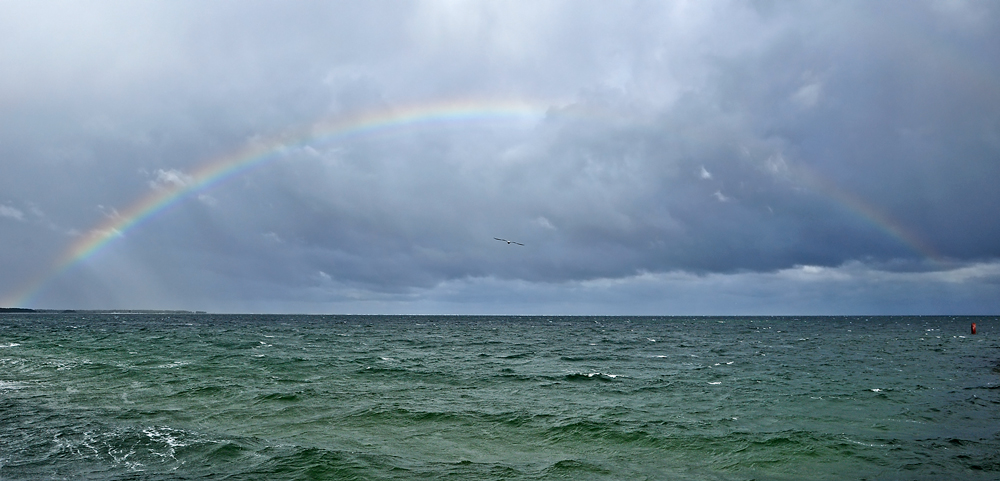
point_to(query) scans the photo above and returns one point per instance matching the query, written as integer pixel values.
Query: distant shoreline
(97, 311)
(23, 310)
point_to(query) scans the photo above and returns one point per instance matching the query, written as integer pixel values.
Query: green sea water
(133, 396)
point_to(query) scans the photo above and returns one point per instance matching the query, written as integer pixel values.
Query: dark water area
(175, 396)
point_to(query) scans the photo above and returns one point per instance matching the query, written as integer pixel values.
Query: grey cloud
(11, 213)
(722, 141)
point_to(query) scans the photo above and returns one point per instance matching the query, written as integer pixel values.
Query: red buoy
(973, 327)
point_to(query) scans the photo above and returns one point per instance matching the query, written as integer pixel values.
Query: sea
(108, 396)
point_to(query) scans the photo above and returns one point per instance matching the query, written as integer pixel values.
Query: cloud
(171, 180)
(543, 222)
(692, 142)
(109, 212)
(849, 289)
(11, 213)
(208, 200)
(852, 288)
(808, 95)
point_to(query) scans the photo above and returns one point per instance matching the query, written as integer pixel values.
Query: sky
(654, 158)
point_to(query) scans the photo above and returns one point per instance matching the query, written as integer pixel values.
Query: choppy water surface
(85, 396)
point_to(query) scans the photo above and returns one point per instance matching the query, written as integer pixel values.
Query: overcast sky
(703, 157)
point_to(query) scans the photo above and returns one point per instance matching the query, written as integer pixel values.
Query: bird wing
(518, 243)
(501, 240)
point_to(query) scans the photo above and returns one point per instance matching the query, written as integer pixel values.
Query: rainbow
(259, 152)
(864, 210)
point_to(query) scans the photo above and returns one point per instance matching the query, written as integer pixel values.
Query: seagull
(508, 241)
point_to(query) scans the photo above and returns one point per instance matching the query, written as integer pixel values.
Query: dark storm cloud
(707, 145)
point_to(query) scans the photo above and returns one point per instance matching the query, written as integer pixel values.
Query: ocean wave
(285, 396)
(520, 355)
(94, 451)
(609, 432)
(11, 385)
(574, 468)
(592, 376)
(171, 365)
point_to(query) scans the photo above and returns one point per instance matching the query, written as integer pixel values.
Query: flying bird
(508, 241)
